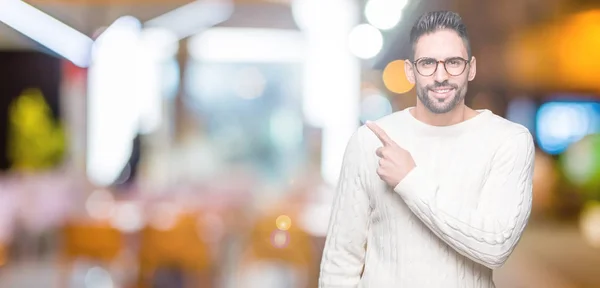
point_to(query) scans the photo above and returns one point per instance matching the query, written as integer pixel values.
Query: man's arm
(488, 233)
(344, 253)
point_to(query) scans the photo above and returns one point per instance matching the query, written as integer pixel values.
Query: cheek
(460, 82)
(422, 82)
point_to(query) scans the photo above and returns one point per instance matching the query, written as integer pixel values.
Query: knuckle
(384, 152)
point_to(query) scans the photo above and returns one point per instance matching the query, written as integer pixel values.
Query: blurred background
(198, 143)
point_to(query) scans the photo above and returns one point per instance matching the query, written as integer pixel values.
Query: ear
(409, 71)
(472, 69)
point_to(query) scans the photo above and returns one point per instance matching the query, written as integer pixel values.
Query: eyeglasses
(428, 66)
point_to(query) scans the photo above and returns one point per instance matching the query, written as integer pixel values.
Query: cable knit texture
(452, 220)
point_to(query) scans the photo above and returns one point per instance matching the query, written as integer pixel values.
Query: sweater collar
(425, 129)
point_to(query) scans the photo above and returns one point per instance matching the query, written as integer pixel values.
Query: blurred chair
(96, 240)
(89, 240)
(3, 255)
(176, 248)
(268, 245)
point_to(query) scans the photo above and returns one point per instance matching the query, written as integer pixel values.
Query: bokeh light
(384, 14)
(164, 216)
(374, 106)
(559, 55)
(100, 204)
(280, 239)
(128, 217)
(98, 277)
(581, 163)
(394, 77)
(365, 41)
(578, 52)
(559, 124)
(283, 222)
(589, 223)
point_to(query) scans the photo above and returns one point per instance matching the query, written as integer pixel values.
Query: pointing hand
(395, 162)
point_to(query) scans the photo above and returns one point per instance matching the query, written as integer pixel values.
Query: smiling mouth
(442, 92)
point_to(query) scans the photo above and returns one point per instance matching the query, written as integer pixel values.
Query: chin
(439, 103)
(440, 107)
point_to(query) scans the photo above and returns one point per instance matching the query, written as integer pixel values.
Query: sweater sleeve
(488, 233)
(344, 252)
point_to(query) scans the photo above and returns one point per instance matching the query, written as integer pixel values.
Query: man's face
(444, 89)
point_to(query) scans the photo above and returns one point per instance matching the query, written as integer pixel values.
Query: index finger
(383, 137)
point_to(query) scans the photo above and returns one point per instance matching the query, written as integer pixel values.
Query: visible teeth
(443, 91)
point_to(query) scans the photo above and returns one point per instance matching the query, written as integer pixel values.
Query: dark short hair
(438, 20)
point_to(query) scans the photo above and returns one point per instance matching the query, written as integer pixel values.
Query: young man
(436, 195)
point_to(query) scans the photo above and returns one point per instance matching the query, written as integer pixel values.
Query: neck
(457, 115)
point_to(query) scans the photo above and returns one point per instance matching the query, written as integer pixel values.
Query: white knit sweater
(454, 218)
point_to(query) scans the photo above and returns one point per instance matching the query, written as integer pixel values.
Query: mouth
(441, 93)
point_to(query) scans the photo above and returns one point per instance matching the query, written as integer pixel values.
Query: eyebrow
(428, 57)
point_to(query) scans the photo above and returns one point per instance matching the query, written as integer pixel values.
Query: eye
(427, 62)
(454, 62)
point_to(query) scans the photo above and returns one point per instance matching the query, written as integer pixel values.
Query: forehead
(441, 44)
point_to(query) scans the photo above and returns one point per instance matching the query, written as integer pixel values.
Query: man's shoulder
(502, 127)
(501, 132)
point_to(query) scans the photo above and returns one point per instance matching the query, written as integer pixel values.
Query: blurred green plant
(581, 165)
(35, 141)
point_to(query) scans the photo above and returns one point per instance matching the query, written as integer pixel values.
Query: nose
(440, 74)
